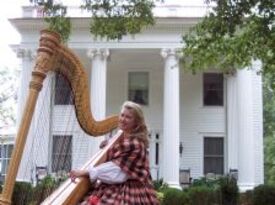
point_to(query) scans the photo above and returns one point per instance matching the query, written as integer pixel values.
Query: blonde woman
(125, 177)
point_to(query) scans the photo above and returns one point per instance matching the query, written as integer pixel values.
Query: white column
(171, 118)
(232, 122)
(27, 57)
(246, 150)
(98, 88)
(258, 122)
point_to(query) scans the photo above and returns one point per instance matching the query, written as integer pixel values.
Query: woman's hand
(103, 144)
(78, 173)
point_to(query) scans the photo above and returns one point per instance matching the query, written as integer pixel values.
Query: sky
(9, 36)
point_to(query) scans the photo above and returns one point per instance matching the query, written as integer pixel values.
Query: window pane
(4, 166)
(138, 90)
(63, 93)
(61, 153)
(10, 148)
(213, 146)
(213, 165)
(213, 89)
(5, 151)
(213, 155)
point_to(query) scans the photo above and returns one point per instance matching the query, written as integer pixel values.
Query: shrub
(160, 196)
(264, 195)
(211, 183)
(159, 185)
(246, 198)
(174, 196)
(201, 195)
(22, 193)
(44, 189)
(229, 191)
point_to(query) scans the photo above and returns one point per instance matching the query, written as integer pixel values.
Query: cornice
(82, 24)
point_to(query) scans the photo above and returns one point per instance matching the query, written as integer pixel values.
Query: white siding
(197, 121)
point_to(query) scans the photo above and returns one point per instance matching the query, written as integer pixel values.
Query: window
(213, 155)
(213, 89)
(63, 93)
(5, 155)
(138, 90)
(62, 153)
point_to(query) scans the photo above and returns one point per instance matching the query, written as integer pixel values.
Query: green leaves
(55, 16)
(116, 18)
(232, 36)
(61, 25)
(110, 19)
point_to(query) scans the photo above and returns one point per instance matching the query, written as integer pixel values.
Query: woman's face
(126, 120)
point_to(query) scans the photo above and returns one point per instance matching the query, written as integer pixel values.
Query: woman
(124, 179)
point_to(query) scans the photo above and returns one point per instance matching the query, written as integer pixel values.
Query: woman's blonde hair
(140, 131)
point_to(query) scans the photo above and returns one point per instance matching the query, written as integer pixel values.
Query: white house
(205, 123)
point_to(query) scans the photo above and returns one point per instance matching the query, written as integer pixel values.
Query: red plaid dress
(131, 155)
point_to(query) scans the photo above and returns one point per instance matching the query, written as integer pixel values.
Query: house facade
(209, 123)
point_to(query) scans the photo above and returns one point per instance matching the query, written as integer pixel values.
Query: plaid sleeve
(130, 156)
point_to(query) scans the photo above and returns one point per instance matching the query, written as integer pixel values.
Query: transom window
(213, 155)
(138, 87)
(62, 153)
(63, 93)
(213, 89)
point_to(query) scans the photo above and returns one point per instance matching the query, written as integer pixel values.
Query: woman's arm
(108, 173)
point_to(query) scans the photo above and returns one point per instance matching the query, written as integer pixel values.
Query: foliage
(160, 196)
(246, 198)
(160, 185)
(206, 182)
(43, 189)
(222, 189)
(201, 195)
(229, 191)
(8, 96)
(264, 194)
(109, 19)
(232, 35)
(269, 128)
(174, 196)
(55, 16)
(18, 198)
(113, 19)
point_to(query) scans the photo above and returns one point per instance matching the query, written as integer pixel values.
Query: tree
(8, 89)
(235, 33)
(109, 19)
(269, 129)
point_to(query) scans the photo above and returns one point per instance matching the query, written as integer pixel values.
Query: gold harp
(52, 54)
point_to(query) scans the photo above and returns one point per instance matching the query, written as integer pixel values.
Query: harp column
(98, 78)
(171, 118)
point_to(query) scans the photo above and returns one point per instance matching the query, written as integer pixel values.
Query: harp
(51, 54)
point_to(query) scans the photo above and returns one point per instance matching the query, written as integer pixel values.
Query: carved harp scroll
(53, 56)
